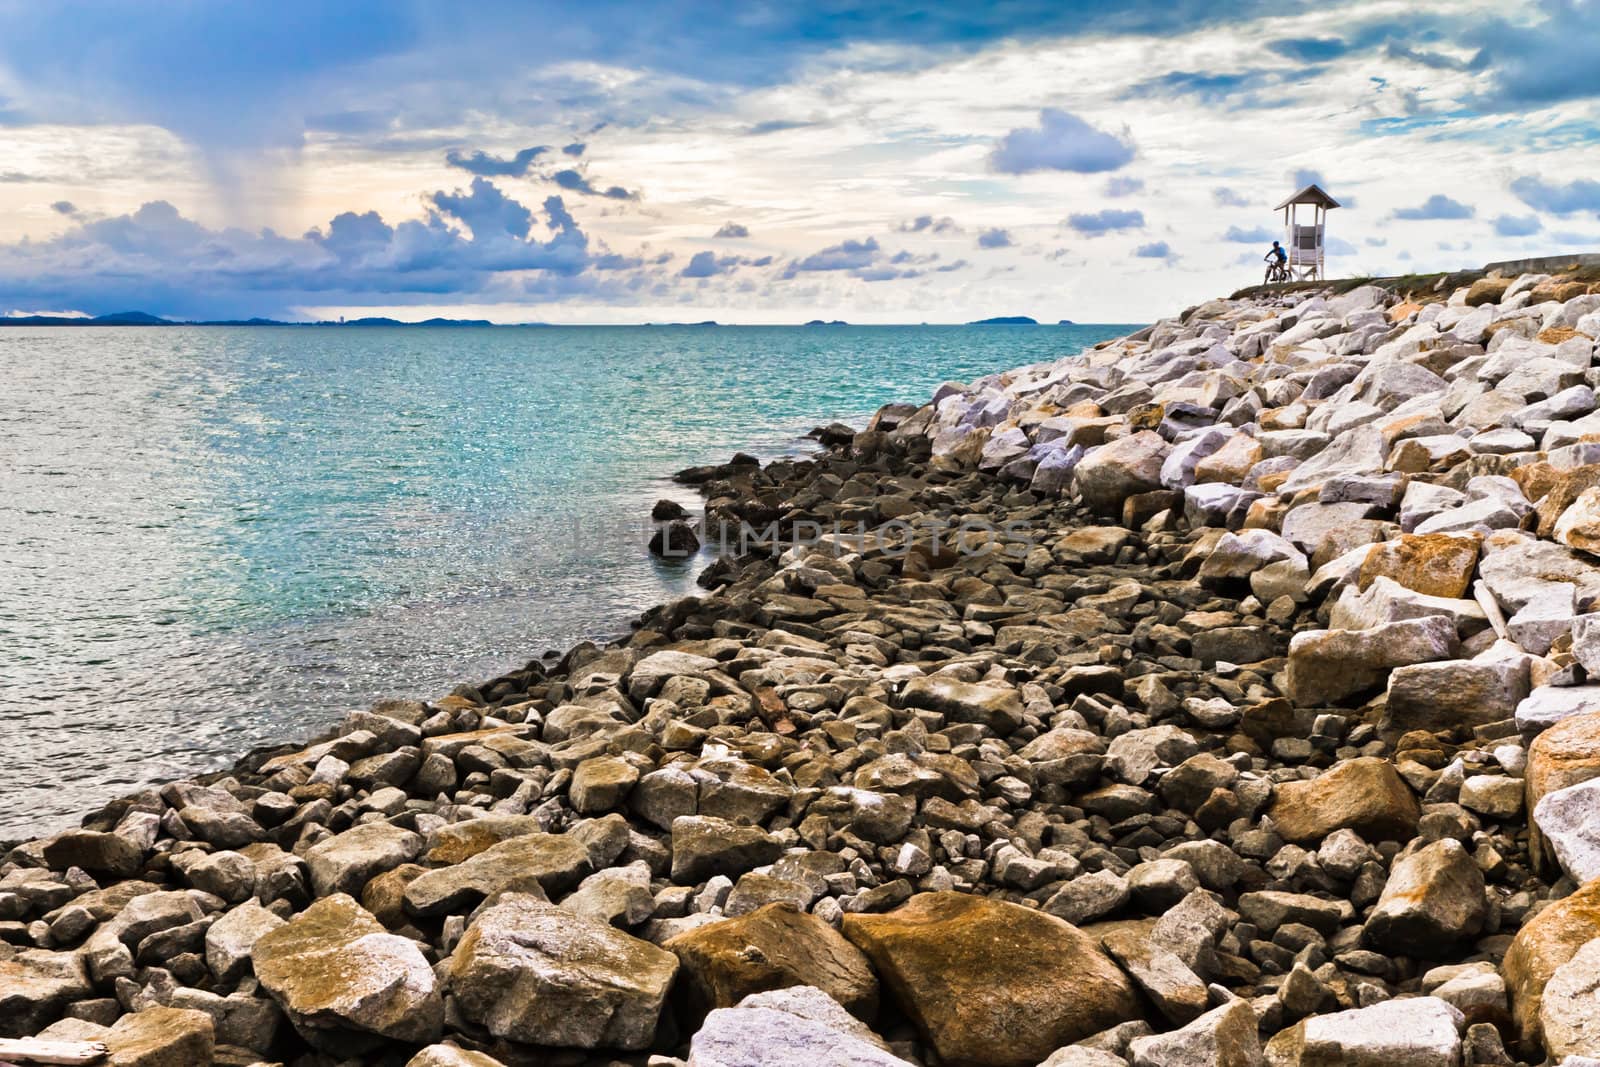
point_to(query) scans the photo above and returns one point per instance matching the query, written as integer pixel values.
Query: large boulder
(1545, 942)
(1431, 564)
(992, 984)
(703, 846)
(1408, 1032)
(1366, 795)
(36, 986)
(1109, 474)
(344, 981)
(1569, 822)
(796, 1027)
(1565, 755)
(773, 947)
(529, 971)
(1570, 1009)
(1326, 666)
(1432, 902)
(1453, 693)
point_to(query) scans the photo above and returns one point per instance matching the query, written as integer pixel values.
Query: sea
(213, 538)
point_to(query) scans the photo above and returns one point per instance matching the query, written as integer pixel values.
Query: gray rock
(1225, 1036)
(346, 862)
(35, 986)
(344, 981)
(1433, 901)
(530, 863)
(797, 1027)
(230, 940)
(1570, 1007)
(1569, 819)
(531, 972)
(703, 846)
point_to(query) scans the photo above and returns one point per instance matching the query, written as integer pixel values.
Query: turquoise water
(217, 538)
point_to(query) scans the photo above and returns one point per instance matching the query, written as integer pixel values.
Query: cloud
(1582, 194)
(486, 166)
(1223, 196)
(470, 244)
(846, 255)
(1062, 141)
(1155, 250)
(1437, 206)
(1512, 226)
(732, 229)
(1567, 237)
(64, 207)
(761, 129)
(1310, 49)
(575, 182)
(1245, 88)
(1256, 236)
(1536, 63)
(17, 177)
(994, 238)
(575, 149)
(707, 264)
(1120, 186)
(930, 224)
(486, 210)
(1107, 221)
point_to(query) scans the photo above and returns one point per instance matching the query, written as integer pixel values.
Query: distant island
(827, 322)
(1066, 322)
(1006, 320)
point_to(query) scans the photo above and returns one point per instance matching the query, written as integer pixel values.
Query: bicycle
(1277, 271)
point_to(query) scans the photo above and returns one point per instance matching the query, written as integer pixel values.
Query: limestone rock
(1409, 1032)
(1326, 666)
(773, 947)
(1565, 755)
(1433, 901)
(231, 939)
(999, 709)
(1366, 795)
(1110, 473)
(339, 975)
(344, 863)
(1542, 945)
(161, 1037)
(703, 846)
(36, 986)
(452, 1056)
(989, 983)
(795, 1027)
(530, 863)
(1570, 1008)
(1453, 693)
(531, 972)
(1569, 821)
(1431, 564)
(1225, 1036)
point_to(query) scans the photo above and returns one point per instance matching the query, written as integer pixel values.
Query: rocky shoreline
(1221, 696)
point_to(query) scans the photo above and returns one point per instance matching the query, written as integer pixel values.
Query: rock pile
(1221, 696)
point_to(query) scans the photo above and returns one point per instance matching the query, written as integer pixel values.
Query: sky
(771, 161)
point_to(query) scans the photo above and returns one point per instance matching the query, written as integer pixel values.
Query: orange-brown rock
(1432, 564)
(1231, 462)
(773, 947)
(1544, 943)
(991, 984)
(1487, 291)
(1536, 479)
(1554, 335)
(1560, 488)
(1366, 795)
(1565, 754)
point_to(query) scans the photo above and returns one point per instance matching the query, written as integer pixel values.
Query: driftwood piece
(16, 1052)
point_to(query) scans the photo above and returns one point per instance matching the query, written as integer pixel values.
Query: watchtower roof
(1311, 194)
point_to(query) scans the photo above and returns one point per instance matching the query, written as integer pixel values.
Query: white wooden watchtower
(1306, 241)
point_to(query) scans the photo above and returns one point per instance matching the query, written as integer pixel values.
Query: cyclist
(1277, 264)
